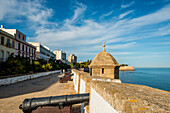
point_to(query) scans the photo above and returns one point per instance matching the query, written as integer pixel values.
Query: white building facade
(42, 52)
(60, 55)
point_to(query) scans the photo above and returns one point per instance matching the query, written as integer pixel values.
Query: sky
(136, 32)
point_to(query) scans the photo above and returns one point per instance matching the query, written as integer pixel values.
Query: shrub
(15, 65)
(20, 65)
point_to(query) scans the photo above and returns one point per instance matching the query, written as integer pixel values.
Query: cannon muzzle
(31, 104)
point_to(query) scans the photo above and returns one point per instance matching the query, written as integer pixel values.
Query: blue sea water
(153, 77)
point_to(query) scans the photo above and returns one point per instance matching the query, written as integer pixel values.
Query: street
(11, 96)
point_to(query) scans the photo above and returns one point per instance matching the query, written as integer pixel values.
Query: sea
(153, 77)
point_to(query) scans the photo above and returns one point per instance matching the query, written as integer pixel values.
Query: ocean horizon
(153, 77)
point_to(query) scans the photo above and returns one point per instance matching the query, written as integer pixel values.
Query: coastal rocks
(127, 68)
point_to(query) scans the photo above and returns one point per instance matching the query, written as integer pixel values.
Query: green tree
(123, 65)
(16, 65)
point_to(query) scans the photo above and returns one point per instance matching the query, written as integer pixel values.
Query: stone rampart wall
(111, 96)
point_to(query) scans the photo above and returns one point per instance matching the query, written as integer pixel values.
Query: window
(2, 55)
(90, 71)
(23, 47)
(26, 48)
(102, 70)
(13, 44)
(7, 43)
(2, 40)
(34, 52)
(23, 38)
(19, 36)
(18, 46)
(7, 55)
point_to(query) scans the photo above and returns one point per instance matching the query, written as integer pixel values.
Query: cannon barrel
(31, 104)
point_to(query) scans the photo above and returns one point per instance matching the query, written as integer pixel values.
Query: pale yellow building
(7, 45)
(104, 64)
(72, 58)
(22, 48)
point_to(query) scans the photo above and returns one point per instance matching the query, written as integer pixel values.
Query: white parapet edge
(13, 80)
(82, 90)
(99, 105)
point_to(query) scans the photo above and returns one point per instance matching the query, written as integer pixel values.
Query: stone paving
(12, 96)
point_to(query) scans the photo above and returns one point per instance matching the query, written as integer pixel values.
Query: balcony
(9, 45)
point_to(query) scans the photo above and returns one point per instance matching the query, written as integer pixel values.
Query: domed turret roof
(104, 59)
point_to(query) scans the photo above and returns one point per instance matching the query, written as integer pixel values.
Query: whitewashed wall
(82, 90)
(82, 86)
(99, 105)
(75, 80)
(26, 77)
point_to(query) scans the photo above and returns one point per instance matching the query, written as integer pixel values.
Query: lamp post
(31, 69)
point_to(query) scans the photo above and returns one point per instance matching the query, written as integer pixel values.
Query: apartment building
(42, 51)
(7, 45)
(60, 55)
(22, 48)
(72, 58)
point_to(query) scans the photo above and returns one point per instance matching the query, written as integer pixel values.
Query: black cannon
(31, 104)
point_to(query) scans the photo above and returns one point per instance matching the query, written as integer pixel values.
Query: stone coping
(133, 98)
(128, 98)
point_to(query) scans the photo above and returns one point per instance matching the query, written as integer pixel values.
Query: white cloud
(12, 10)
(90, 34)
(165, 43)
(158, 53)
(127, 5)
(80, 53)
(146, 57)
(122, 53)
(4, 7)
(107, 14)
(153, 18)
(122, 46)
(78, 13)
(125, 14)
